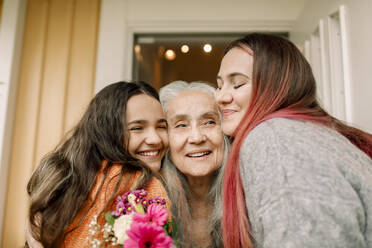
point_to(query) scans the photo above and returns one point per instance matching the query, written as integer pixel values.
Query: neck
(200, 208)
(199, 187)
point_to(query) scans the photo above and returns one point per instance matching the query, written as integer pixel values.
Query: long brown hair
(61, 184)
(283, 85)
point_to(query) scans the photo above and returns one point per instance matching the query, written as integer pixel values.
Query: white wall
(120, 19)
(219, 10)
(358, 19)
(11, 33)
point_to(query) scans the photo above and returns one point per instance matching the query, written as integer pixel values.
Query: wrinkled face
(147, 127)
(195, 135)
(234, 82)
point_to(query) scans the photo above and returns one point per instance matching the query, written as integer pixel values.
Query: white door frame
(115, 38)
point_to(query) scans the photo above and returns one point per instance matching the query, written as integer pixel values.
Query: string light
(207, 48)
(170, 54)
(185, 48)
(137, 48)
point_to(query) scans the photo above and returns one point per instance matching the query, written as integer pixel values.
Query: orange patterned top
(78, 237)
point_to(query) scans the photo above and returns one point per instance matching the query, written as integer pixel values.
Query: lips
(198, 154)
(150, 154)
(227, 112)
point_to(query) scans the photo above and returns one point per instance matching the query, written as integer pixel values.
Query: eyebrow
(145, 121)
(234, 74)
(179, 117)
(204, 115)
(209, 113)
(137, 122)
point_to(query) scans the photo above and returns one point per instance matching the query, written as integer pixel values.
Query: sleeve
(294, 195)
(78, 237)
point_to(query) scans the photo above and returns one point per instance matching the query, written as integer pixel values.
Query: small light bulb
(170, 54)
(185, 48)
(207, 48)
(137, 48)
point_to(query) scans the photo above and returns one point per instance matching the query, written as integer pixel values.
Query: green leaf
(174, 227)
(109, 218)
(166, 228)
(170, 228)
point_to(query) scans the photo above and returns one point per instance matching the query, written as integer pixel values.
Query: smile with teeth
(149, 153)
(198, 154)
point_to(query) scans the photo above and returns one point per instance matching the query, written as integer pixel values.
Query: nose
(223, 96)
(152, 137)
(196, 136)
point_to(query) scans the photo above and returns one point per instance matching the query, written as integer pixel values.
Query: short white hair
(173, 89)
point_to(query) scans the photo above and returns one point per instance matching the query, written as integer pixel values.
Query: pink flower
(155, 214)
(144, 235)
(120, 207)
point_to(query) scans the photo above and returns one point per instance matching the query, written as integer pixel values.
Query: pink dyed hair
(283, 85)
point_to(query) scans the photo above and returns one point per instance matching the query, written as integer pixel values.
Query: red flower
(155, 214)
(144, 235)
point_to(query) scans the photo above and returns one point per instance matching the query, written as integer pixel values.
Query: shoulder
(302, 156)
(299, 174)
(156, 188)
(285, 128)
(298, 146)
(105, 179)
(288, 136)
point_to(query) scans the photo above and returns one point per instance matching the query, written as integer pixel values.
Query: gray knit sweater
(306, 186)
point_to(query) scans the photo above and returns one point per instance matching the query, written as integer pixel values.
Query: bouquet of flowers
(137, 221)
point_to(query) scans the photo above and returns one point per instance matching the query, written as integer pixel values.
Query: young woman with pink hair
(295, 176)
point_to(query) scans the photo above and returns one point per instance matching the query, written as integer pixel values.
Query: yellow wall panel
(56, 82)
(55, 73)
(83, 46)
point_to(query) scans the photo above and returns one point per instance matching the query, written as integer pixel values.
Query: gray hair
(179, 191)
(176, 182)
(171, 90)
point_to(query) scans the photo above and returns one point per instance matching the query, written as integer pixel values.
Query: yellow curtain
(56, 82)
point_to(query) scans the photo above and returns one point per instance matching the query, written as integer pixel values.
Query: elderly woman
(192, 167)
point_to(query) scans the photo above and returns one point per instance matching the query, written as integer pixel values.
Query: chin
(229, 131)
(155, 166)
(201, 173)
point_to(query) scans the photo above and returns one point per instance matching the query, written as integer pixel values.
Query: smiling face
(147, 127)
(195, 135)
(234, 82)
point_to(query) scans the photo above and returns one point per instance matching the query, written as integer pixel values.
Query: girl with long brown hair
(295, 176)
(120, 139)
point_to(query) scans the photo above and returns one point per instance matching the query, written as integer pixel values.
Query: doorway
(162, 58)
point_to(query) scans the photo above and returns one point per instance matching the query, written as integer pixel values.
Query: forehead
(143, 107)
(237, 60)
(191, 103)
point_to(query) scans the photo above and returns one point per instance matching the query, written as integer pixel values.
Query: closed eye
(181, 125)
(137, 128)
(239, 85)
(163, 127)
